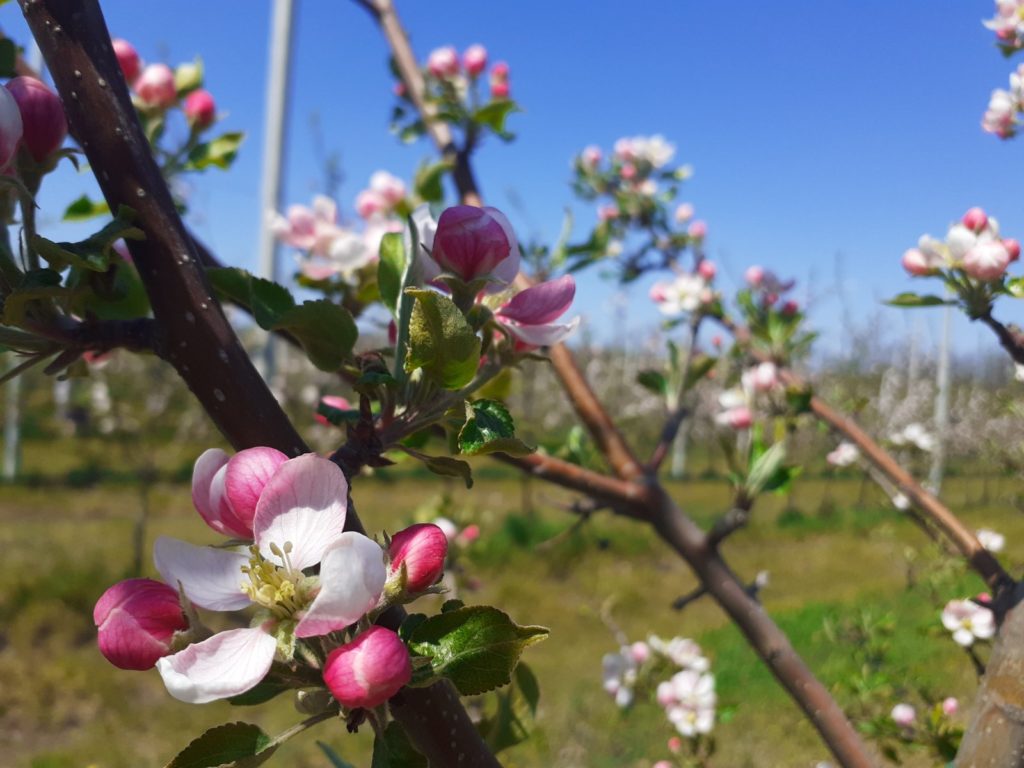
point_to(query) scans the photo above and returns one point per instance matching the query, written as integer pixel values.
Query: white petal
(304, 503)
(227, 664)
(352, 576)
(963, 637)
(544, 335)
(212, 578)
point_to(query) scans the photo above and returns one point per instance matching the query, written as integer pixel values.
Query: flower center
(282, 590)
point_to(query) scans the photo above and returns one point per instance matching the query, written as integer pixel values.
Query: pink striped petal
(541, 303)
(227, 664)
(543, 335)
(352, 576)
(304, 504)
(247, 474)
(212, 578)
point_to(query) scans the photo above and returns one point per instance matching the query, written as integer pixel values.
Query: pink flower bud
(471, 242)
(370, 203)
(716, 341)
(42, 116)
(422, 548)
(754, 276)
(987, 261)
(369, 670)
(200, 109)
(640, 651)
(608, 212)
(499, 71)
(468, 535)
(1012, 247)
(740, 418)
(684, 212)
(443, 62)
(475, 60)
(903, 715)
(698, 230)
(390, 188)
(975, 220)
(499, 90)
(790, 308)
(707, 270)
(400, 90)
(136, 621)
(591, 156)
(155, 86)
(628, 171)
(663, 764)
(675, 745)
(916, 263)
(950, 706)
(128, 59)
(10, 127)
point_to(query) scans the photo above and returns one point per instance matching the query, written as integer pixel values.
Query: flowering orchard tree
(316, 596)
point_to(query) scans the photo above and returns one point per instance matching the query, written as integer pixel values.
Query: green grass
(64, 706)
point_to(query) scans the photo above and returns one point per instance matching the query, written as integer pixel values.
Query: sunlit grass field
(833, 549)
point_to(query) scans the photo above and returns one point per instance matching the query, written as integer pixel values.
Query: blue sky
(819, 131)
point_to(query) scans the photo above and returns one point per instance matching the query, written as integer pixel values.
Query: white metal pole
(941, 405)
(275, 125)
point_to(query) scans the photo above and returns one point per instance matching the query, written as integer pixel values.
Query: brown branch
(1011, 338)
(191, 331)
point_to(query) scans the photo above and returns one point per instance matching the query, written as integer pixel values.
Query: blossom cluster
(973, 247)
(687, 292)
(844, 455)
(157, 88)
(290, 562)
(329, 250)
(738, 404)
(450, 71)
(914, 435)
(687, 696)
(1008, 25)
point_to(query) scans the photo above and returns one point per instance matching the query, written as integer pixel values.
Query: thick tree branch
(192, 332)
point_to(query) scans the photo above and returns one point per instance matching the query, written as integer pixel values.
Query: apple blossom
(42, 116)
(697, 230)
(369, 670)
(468, 535)
(155, 86)
(421, 549)
(754, 275)
(691, 701)
(999, 117)
(764, 377)
(684, 212)
(950, 706)
(607, 212)
(1012, 246)
(640, 651)
(530, 315)
(298, 524)
(707, 269)
(917, 263)
(620, 676)
(960, 240)
(591, 156)
(736, 412)
(901, 502)
(136, 621)
(675, 745)
(903, 715)
(991, 540)
(473, 243)
(200, 109)
(475, 60)
(968, 621)
(390, 188)
(681, 651)
(499, 81)
(443, 62)
(314, 229)
(684, 294)
(844, 455)
(663, 764)
(127, 59)
(370, 203)
(987, 261)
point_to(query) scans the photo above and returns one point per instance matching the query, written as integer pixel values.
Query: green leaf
(764, 468)
(1015, 287)
(393, 750)
(220, 152)
(35, 285)
(390, 269)
(654, 381)
(916, 300)
(477, 648)
(494, 115)
(231, 283)
(269, 302)
(527, 684)
(8, 57)
(235, 745)
(489, 428)
(799, 399)
(334, 757)
(700, 366)
(427, 181)
(449, 467)
(95, 252)
(325, 330)
(441, 342)
(86, 208)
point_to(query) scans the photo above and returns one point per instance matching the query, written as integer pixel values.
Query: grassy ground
(832, 552)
